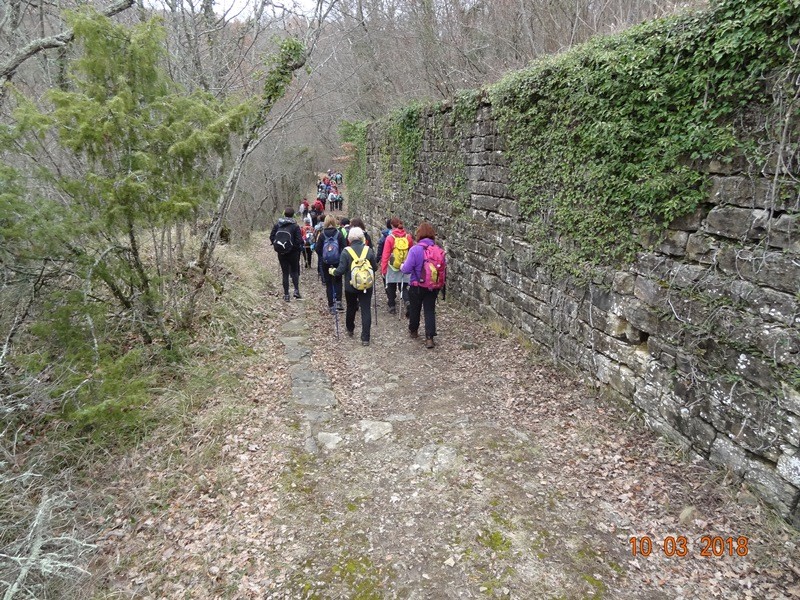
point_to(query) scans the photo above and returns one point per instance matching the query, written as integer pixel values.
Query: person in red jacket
(394, 253)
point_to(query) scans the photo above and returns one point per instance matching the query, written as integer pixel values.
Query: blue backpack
(330, 249)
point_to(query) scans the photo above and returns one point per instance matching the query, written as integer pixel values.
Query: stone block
(690, 222)
(665, 429)
(755, 192)
(784, 232)
(777, 270)
(753, 369)
(623, 283)
(607, 371)
(781, 345)
(768, 304)
(498, 219)
(700, 433)
(731, 222)
(639, 315)
(791, 429)
(674, 243)
(779, 494)
(651, 293)
(789, 468)
(790, 399)
(507, 207)
(726, 454)
(702, 248)
(485, 203)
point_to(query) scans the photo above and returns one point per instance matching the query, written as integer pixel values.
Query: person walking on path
(288, 243)
(307, 231)
(426, 267)
(357, 299)
(330, 243)
(395, 250)
(358, 222)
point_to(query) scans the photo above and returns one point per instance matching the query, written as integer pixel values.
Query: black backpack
(283, 243)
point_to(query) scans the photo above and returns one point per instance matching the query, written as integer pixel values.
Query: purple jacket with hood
(415, 259)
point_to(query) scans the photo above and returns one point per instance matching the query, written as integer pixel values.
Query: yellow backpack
(399, 253)
(361, 276)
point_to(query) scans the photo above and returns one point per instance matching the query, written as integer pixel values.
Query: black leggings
(356, 301)
(290, 266)
(422, 299)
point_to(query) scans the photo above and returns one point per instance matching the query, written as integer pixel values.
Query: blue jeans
(333, 285)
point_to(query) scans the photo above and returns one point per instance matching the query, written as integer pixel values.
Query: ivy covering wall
(604, 141)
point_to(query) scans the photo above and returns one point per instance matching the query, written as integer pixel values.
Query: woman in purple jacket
(421, 298)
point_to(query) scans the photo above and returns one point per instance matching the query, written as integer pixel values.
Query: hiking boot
(413, 334)
(286, 297)
(331, 309)
(365, 342)
(392, 310)
(339, 307)
(349, 333)
(297, 294)
(429, 343)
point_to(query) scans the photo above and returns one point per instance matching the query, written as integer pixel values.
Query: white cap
(355, 234)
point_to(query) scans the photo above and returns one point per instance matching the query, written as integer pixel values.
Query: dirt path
(470, 471)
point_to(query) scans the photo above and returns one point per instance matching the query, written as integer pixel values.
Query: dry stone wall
(701, 334)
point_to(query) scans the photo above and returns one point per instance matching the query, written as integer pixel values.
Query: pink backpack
(434, 268)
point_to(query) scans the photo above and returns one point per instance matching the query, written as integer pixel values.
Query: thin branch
(59, 40)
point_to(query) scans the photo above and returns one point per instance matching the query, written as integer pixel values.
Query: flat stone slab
(375, 430)
(433, 458)
(445, 459)
(297, 354)
(314, 397)
(423, 461)
(329, 440)
(311, 446)
(294, 326)
(303, 377)
(400, 418)
(317, 416)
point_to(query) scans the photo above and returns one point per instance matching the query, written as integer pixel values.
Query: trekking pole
(375, 295)
(335, 307)
(402, 303)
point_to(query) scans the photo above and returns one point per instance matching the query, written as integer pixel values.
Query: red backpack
(434, 268)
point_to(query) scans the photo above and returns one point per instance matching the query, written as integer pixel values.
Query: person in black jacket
(356, 299)
(288, 243)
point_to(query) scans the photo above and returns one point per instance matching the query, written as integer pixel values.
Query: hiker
(318, 207)
(288, 242)
(307, 231)
(329, 246)
(357, 222)
(426, 265)
(305, 207)
(344, 226)
(358, 264)
(382, 238)
(391, 260)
